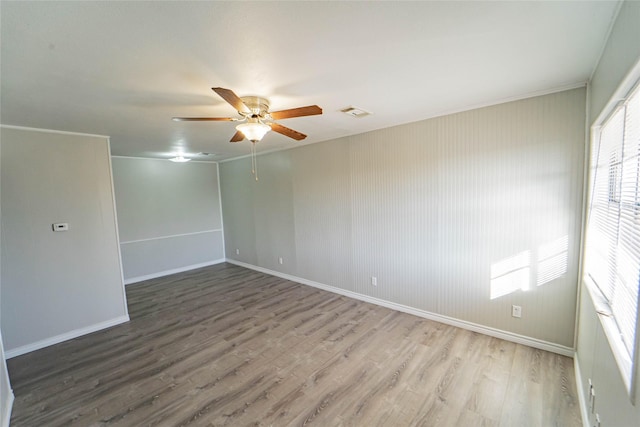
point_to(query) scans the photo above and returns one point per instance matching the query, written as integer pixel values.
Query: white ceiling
(123, 69)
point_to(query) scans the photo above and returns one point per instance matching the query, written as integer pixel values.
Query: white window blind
(612, 250)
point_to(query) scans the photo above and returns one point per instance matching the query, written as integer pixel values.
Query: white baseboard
(64, 337)
(163, 273)
(508, 336)
(581, 399)
(8, 405)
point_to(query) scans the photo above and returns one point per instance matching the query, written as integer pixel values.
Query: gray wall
(461, 216)
(594, 358)
(6, 394)
(56, 286)
(597, 362)
(169, 216)
(621, 52)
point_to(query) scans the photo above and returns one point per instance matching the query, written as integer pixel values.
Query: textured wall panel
(322, 208)
(167, 214)
(236, 188)
(159, 198)
(461, 215)
(148, 257)
(273, 213)
(395, 203)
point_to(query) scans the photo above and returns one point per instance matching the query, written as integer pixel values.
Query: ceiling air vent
(355, 112)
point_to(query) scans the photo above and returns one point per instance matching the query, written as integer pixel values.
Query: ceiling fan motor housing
(259, 106)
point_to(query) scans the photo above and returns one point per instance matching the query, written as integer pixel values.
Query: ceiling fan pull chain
(253, 167)
(254, 160)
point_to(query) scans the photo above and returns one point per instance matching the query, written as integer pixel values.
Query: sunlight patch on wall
(552, 260)
(517, 272)
(510, 274)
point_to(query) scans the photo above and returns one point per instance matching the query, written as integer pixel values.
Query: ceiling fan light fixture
(254, 131)
(179, 159)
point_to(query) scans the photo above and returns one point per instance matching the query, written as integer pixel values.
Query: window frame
(627, 363)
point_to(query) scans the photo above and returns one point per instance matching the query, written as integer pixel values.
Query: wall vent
(355, 112)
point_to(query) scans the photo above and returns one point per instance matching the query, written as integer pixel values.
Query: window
(612, 246)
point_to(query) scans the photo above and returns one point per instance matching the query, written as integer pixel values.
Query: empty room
(368, 213)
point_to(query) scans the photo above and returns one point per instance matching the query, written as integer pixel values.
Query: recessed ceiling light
(179, 159)
(356, 112)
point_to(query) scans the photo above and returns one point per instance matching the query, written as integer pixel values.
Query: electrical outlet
(280, 261)
(374, 281)
(60, 226)
(237, 251)
(516, 311)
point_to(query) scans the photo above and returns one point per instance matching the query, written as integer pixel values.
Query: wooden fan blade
(233, 99)
(203, 119)
(287, 132)
(237, 137)
(309, 110)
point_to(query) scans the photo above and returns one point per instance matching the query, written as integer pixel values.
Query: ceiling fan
(257, 118)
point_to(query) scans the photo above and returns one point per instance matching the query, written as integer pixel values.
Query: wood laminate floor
(224, 345)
